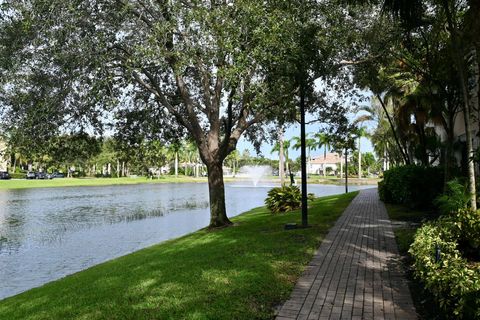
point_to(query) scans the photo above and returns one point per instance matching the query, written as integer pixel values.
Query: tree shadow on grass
(240, 272)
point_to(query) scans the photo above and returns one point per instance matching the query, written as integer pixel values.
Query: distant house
(3, 157)
(322, 163)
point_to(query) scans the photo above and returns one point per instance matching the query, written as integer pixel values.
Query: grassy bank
(241, 272)
(83, 182)
(338, 181)
(76, 182)
(405, 223)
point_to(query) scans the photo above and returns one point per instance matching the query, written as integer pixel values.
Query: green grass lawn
(75, 182)
(412, 219)
(78, 182)
(240, 272)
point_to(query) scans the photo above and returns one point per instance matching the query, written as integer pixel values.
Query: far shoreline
(17, 184)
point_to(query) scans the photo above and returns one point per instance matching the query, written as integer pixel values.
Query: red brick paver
(356, 273)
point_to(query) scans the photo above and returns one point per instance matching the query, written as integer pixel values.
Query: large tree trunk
(216, 188)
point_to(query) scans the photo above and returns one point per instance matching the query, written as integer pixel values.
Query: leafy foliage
(439, 263)
(286, 198)
(411, 185)
(160, 69)
(454, 198)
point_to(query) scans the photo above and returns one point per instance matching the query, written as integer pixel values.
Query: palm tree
(411, 13)
(173, 150)
(281, 160)
(310, 144)
(323, 140)
(277, 147)
(232, 158)
(361, 132)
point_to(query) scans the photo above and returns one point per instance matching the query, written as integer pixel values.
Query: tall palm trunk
(281, 165)
(341, 166)
(359, 159)
(176, 164)
(118, 168)
(402, 148)
(449, 159)
(324, 160)
(197, 169)
(458, 54)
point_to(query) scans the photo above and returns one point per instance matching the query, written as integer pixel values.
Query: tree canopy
(214, 70)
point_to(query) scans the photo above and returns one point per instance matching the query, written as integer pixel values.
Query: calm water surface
(46, 234)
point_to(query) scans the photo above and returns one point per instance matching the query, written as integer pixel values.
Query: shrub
(17, 175)
(283, 199)
(440, 265)
(413, 186)
(455, 197)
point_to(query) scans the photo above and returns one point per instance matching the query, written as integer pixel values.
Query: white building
(322, 163)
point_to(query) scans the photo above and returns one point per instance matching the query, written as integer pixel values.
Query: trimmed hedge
(411, 185)
(439, 264)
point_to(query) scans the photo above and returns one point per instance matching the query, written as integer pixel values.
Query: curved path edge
(356, 272)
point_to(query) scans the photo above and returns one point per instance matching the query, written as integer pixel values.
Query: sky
(290, 132)
(293, 131)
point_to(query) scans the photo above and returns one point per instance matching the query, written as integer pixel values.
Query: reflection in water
(48, 233)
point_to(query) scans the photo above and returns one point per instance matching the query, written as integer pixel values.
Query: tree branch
(196, 129)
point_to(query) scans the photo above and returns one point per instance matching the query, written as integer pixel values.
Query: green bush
(456, 197)
(413, 186)
(18, 175)
(440, 265)
(282, 199)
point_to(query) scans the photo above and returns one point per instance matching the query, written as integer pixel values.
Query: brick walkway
(356, 273)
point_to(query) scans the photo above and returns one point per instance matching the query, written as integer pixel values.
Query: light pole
(303, 157)
(346, 170)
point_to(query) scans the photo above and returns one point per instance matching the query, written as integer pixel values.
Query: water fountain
(255, 173)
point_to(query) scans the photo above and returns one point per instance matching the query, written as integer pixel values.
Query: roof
(331, 158)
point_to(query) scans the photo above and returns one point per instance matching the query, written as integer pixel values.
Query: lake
(48, 233)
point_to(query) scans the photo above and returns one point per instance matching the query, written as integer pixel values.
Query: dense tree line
(212, 70)
(157, 72)
(422, 65)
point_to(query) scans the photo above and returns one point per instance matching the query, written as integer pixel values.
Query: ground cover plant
(447, 260)
(240, 272)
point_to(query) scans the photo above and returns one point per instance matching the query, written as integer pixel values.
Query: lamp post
(303, 157)
(346, 170)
